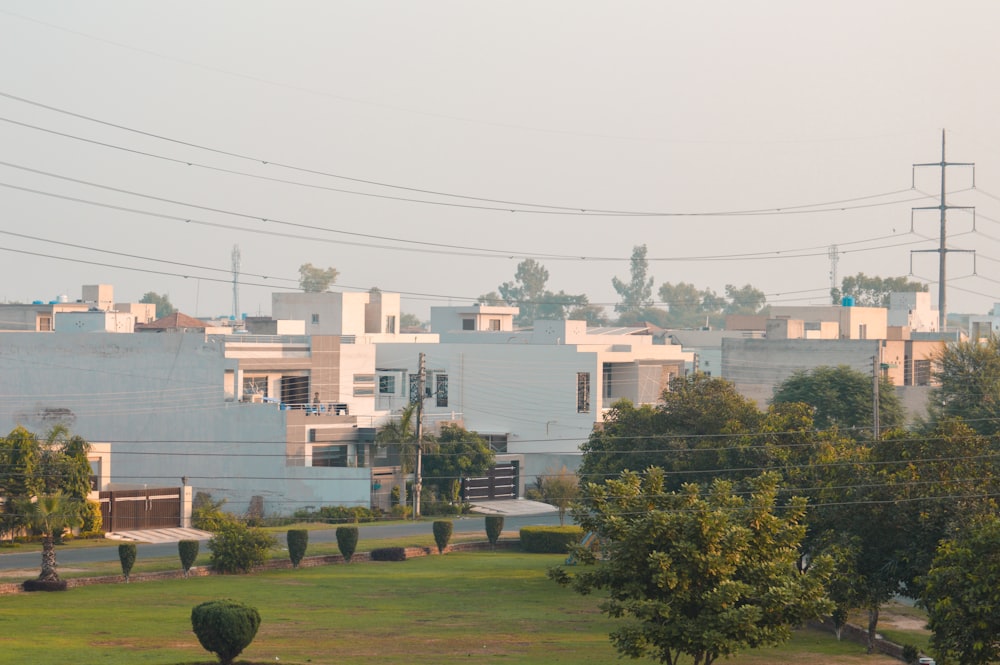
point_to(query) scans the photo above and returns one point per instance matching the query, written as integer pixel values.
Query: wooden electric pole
(421, 391)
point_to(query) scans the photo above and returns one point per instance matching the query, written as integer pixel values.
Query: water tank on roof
(63, 298)
(37, 302)
(847, 301)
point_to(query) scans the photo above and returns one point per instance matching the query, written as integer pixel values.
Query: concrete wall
(757, 366)
(158, 401)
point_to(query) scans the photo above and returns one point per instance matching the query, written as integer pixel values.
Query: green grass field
(492, 607)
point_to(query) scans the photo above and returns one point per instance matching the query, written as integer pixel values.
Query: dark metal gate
(132, 510)
(500, 482)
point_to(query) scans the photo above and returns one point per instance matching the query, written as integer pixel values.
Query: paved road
(69, 557)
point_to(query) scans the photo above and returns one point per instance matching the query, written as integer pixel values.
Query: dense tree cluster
(874, 505)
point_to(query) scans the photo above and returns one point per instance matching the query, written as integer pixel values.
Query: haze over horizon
(428, 148)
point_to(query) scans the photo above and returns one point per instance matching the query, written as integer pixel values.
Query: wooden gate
(500, 482)
(133, 510)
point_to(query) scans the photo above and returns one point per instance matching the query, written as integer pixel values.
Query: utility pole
(876, 367)
(417, 479)
(236, 282)
(942, 249)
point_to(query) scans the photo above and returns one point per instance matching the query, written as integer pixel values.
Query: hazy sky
(429, 147)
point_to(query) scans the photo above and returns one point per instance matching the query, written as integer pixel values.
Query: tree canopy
(637, 293)
(163, 304)
(701, 572)
(316, 280)
(528, 293)
(842, 397)
(874, 291)
(960, 595)
(967, 374)
(458, 454)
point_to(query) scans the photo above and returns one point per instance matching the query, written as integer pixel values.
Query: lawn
(494, 607)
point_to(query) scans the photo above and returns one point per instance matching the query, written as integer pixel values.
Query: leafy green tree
(594, 315)
(744, 300)
(874, 291)
(842, 398)
(163, 304)
(459, 454)
(967, 378)
(50, 515)
(960, 595)
(528, 293)
(560, 488)
(686, 434)
(407, 320)
(20, 478)
(637, 293)
(316, 280)
(689, 307)
(701, 572)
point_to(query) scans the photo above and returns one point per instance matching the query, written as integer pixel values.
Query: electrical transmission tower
(942, 249)
(236, 282)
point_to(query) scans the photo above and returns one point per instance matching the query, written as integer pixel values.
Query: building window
(468, 324)
(254, 385)
(44, 324)
(441, 389)
(495, 324)
(414, 388)
(583, 392)
(863, 331)
(364, 384)
(390, 324)
(386, 385)
(315, 319)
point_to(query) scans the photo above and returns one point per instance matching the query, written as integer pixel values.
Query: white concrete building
(536, 394)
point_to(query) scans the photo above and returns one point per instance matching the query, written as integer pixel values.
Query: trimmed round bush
(442, 533)
(494, 527)
(298, 540)
(188, 551)
(126, 554)
(347, 541)
(225, 627)
(549, 539)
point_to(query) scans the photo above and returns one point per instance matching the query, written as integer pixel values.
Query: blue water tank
(847, 301)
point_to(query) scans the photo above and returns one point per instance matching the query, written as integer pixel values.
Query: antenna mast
(236, 282)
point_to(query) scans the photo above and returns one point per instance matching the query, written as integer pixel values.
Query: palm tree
(50, 515)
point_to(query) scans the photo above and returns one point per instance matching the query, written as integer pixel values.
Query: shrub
(237, 548)
(549, 539)
(338, 514)
(188, 551)
(126, 554)
(401, 512)
(347, 541)
(225, 627)
(44, 585)
(298, 540)
(93, 523)
(910, 654)
(388, 554)
(494, 527)
(442, 533)
(207, 514)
